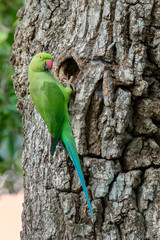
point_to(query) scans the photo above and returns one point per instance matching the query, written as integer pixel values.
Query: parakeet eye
(40, 57)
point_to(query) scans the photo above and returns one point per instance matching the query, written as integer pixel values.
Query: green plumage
(51, 100)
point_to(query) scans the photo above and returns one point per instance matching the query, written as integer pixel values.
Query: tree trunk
(112, 49)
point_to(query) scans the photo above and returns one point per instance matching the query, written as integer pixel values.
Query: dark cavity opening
(69, 68)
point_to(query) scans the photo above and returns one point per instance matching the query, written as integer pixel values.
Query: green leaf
(3, 36)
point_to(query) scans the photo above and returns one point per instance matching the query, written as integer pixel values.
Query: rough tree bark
(112, 49)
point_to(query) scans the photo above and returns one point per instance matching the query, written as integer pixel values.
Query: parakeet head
(41, 62)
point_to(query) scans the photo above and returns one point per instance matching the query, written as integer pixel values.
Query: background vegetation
(10, 119)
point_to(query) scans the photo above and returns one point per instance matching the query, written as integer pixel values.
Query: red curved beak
(49, 64)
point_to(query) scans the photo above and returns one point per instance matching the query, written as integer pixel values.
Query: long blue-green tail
(69, 142)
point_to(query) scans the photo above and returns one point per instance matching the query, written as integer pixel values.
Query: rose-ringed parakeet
(51, 100)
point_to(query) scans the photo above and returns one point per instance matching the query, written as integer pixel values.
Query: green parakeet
(51, 100)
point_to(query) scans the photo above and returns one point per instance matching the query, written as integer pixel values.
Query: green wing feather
(53, 108)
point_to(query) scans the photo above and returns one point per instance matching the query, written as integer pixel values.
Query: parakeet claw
(70, 84)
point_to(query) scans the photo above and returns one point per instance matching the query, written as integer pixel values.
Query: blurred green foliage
(10, 119)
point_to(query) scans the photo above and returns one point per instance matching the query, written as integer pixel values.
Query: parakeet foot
(70, 84)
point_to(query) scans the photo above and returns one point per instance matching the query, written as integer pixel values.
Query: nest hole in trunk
(69, 68)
